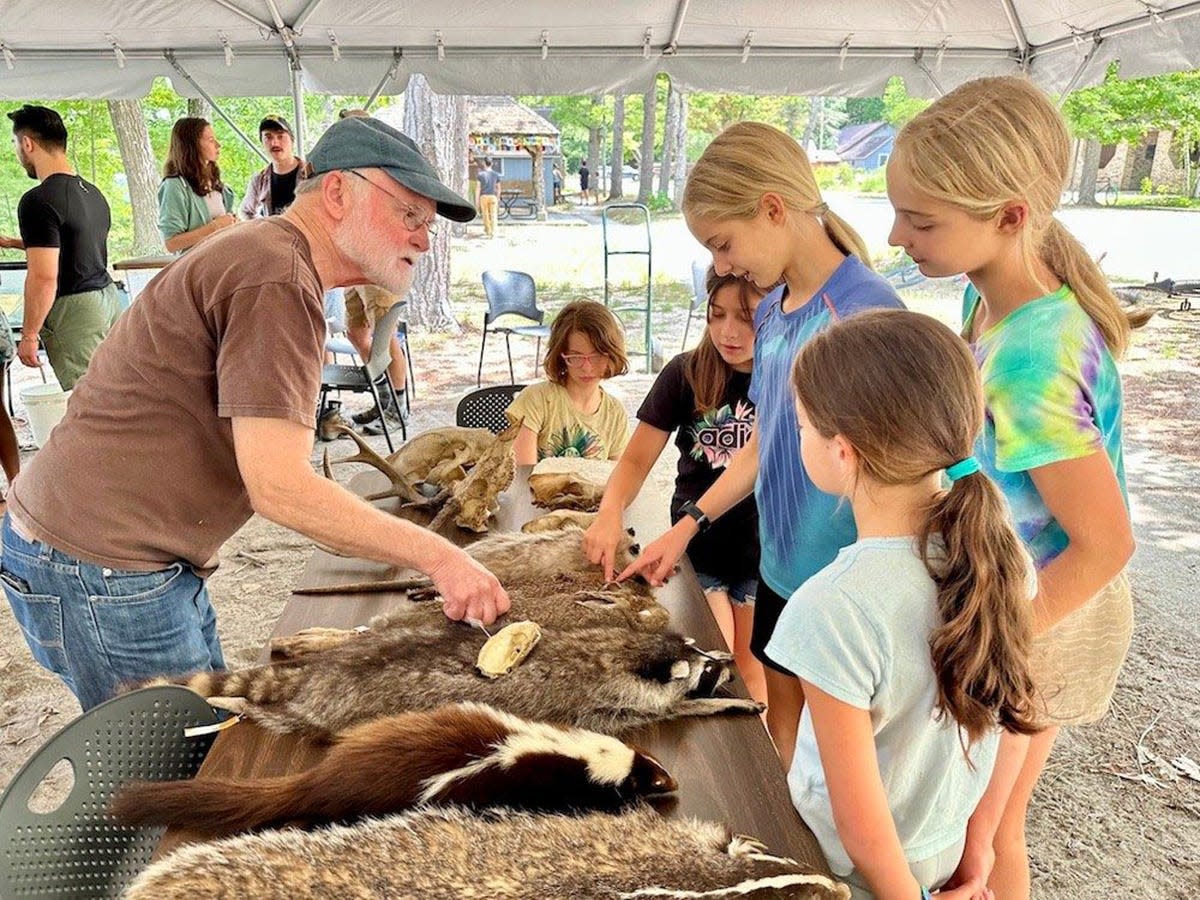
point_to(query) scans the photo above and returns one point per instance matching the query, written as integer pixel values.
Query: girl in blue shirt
(752, 200)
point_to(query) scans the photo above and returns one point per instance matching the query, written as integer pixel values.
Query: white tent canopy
(114, 48)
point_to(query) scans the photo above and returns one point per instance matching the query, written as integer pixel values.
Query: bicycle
(1107, 191)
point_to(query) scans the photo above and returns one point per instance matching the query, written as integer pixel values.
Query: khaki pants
(488, 207)
(74, 328)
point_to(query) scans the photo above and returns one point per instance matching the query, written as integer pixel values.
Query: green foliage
(861, 110)
(898, 107)
(93, 150)
(1147, 186)
(871, 181)
(659, 203)
(837, 177)
(1127, 109)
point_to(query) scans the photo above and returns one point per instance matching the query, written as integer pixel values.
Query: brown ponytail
(904, 391)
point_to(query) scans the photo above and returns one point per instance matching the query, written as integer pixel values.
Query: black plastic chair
(699, 296)
(78, 849)
(369, 378)
(511, 293)
(485, 408)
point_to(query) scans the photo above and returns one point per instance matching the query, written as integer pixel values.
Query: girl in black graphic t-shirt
(701, 395)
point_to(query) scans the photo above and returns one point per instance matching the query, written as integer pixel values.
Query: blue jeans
(98, 628)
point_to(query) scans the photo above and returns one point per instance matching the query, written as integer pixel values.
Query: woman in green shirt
(192, 200)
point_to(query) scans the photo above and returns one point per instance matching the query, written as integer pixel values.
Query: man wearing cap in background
(272, 190)
(70, 300)
(199, 410)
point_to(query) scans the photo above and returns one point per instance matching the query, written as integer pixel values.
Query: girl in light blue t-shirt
(911, 646)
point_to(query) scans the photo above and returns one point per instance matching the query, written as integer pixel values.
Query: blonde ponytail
(845, 238)
(1070, 262)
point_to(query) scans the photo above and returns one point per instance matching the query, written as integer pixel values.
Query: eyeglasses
(575, 360)
(413, 218)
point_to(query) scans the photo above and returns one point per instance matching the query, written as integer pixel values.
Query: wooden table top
(726, 767)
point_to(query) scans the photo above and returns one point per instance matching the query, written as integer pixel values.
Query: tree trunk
(1089, 169)
(667, 166)
(141, 174)
(681, 155)
(593, 159)
(646, 168)
(537, 157)
(439, 126)
(616, 175)
(814, 116)
(198, 108)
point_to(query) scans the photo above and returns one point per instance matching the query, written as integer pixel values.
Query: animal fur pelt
(549, 581)
(567, 483)
(558, 520)
(605, 679)
(451, 855)
(467, 754)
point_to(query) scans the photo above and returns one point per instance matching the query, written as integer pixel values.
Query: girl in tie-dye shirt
(975, 180)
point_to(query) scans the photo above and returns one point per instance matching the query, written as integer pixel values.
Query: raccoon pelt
(466, 754)
(448, 854)
(548, 579)
(559, 519)
(605, 679)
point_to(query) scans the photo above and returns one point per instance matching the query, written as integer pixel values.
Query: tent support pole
(681, 8)
(397, 55)
(1079, 70)
(302, 19)
(1018, 30)
(170, 56)
(298, 105)
(237, 10)
(919, 60)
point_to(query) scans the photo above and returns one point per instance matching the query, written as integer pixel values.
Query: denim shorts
(98, 628)
(740, 592)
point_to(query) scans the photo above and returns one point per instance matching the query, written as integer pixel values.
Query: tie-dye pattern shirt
(1052, 393)
(801, 528)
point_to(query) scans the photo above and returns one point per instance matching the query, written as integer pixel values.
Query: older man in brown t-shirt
(199, 410)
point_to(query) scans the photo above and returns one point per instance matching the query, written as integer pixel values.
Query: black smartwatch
(702, 521)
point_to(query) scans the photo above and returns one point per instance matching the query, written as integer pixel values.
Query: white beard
(368, 249)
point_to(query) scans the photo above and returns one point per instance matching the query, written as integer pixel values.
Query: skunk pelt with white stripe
(467, 754)
(447, 854)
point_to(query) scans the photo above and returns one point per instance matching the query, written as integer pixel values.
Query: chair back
(485, 408)
(335, 310)
(699, 283)
(78, 849)
(381, 341)
(510, 292)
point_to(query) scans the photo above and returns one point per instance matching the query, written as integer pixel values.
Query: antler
(400, 486)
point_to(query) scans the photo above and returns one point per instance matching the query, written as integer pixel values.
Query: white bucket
(45, 405)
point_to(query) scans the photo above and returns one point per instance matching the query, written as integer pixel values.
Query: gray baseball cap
(366, 143)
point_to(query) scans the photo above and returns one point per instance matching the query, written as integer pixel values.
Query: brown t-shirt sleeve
(270, 342)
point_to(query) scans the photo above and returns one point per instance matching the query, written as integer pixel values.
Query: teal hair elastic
(962, 468)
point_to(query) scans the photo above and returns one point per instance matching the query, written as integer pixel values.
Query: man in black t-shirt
(271, 190)
(70, 300)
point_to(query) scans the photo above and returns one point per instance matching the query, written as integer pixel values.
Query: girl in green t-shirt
(571, 414)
